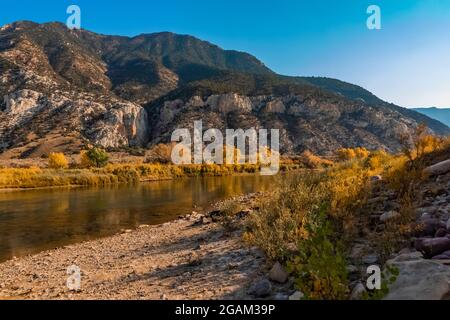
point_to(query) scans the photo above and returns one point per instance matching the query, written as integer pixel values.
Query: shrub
(361, 153)
(406, 170)
(415, 147)
(94, 157)
(228, 219)
(57, 161)
(299, 225)
(320, 266)
(280, 222)
(309, 222)
(125, 173)
(345, 154)
(378, 160)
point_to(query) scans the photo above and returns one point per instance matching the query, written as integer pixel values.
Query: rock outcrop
(419, 279)
(417, 235)
(124, 124)
(305, 122)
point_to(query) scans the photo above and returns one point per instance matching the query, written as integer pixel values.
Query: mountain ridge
(79, 87)
(440, 114)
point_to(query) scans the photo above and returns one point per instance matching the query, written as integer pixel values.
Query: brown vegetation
(311, 224)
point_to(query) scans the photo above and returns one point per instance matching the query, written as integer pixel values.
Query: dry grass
(35, 177)
(309, 224)
(313, 161)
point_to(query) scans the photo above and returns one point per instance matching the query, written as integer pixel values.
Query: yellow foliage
(313, 162)
(85, 162)
(378, 159)
(57, 161)
(113, 173)
(361, 153)
(345, 154)
(340, 194)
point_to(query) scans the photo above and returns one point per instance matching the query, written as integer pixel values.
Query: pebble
(358, 291)
(206, 220)
(298, 295)
(281, 297)
(278, 274)
(260, 288)
(387, 216)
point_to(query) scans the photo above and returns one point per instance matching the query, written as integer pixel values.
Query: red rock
(432, 247)
(441, 233)
(430, 226)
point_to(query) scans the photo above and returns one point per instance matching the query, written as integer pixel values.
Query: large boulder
(429, 226)
(439, 168)
(432, 247)
(419, 279)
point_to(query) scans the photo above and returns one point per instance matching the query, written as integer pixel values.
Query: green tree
(95, 157)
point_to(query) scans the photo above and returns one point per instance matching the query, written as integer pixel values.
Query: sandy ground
(185, 259)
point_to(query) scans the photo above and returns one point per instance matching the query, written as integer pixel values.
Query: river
(36, 220)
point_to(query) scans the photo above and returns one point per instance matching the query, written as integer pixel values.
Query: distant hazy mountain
(67, 88)
(440, 114)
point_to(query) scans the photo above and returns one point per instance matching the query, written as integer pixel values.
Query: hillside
(440, 114)
(65, 89)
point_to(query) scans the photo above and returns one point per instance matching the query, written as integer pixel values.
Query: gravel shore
(190, 258)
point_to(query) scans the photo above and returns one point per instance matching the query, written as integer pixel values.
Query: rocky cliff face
(64, 89)
(33, 120)
(306, 123)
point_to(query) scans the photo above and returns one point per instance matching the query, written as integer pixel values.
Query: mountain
(355, 92)
(65, 89)
(440, 114)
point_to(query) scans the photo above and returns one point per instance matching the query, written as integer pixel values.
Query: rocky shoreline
(423, 264)
(190, 258)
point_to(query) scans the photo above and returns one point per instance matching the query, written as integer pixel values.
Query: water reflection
(36, 220)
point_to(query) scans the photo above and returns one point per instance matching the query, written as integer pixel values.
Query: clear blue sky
(407, 62)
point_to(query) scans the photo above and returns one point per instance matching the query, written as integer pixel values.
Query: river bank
(316, 237)
(35, 178)
(190, 258)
